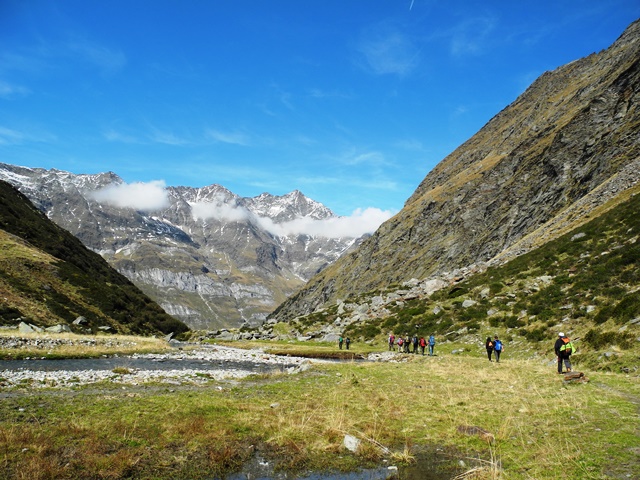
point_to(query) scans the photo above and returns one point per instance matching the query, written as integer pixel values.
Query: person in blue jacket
(432, 343)
(498, 348)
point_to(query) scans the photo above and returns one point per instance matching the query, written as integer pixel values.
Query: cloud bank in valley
(153, 196)
(146, 197)
(360, 222)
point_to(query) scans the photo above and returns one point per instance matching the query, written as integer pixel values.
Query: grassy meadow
(542, 426)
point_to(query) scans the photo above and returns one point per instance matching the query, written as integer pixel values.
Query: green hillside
(48, 277)
(586, 283)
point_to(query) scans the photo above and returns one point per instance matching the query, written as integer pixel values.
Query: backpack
(567, 347)
(498, 345)
(400, 341)
(432, 340)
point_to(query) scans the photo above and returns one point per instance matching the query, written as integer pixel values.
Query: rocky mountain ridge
(569, 144)
(209, 257)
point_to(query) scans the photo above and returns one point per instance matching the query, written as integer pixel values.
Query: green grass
(543, 428)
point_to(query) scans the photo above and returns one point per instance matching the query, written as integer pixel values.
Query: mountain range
(209, 257)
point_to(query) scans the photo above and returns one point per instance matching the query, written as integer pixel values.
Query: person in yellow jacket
(564, 349)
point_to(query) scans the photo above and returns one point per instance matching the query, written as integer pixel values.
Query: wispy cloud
(8, 90)
(410, 144)
(234, 138)
(356, 157)
(147, 197)
(319, 93)
(106, 59)
(388, 51)
(115, 136)
(360, 222)
(168, 138)
(10, 136)
(472, 36)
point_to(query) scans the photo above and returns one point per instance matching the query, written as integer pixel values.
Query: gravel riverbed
(192, 366)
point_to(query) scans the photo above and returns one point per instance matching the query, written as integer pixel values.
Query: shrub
(599, 340)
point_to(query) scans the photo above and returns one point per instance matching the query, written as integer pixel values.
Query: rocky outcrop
(539, 165)
(372, 308)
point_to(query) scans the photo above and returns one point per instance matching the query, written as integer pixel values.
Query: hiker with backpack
(432, 343)
(340, 340)
(498, 347)
(489, 346)
(563, 348)
(392, 341)
(423, 344)
(415, 343)
(400, 342)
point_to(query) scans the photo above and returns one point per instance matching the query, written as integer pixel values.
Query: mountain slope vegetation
(586, 283)
(48, 277)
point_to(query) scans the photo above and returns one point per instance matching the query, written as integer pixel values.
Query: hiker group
(413, 344)
(563, 347)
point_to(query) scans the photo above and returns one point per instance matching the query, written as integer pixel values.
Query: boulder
(58, 328)
(25, 328)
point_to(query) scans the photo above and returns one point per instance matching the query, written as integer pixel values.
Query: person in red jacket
(423, 344)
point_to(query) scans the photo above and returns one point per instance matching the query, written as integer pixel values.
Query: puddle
(428, 466)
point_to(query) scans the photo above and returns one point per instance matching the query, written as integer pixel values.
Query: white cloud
(219, 210)
(139, 196)
(359, 223)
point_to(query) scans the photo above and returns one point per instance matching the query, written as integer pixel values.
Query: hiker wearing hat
(562, 352)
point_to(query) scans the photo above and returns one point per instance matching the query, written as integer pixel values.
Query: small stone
(351, 443)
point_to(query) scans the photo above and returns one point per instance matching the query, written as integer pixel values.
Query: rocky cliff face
(568, 144)
(208, 257)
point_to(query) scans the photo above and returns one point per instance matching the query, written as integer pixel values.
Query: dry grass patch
(70, 345)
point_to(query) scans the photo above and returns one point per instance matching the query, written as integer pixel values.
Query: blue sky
(351, 102)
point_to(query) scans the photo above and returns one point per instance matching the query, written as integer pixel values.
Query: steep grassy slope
(574, 132)
(48, 277)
